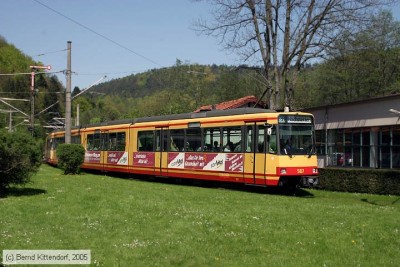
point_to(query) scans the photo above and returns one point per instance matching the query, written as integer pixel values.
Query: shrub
(20, 158)
(371, 181)
(70, 157)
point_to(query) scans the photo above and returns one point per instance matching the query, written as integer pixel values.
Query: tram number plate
(300, 171)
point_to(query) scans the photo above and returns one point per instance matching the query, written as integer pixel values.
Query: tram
(246, 145)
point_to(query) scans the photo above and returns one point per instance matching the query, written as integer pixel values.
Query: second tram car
(247, 145)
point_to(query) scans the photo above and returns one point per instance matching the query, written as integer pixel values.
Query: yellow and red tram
(247, 145)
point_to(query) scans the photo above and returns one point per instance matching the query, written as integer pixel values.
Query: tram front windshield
(296, 138)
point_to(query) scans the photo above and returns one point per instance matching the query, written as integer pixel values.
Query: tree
(70, 157)
(361, 65)
(75, 91)
(372, 56)
(284, 35)
(20, 157)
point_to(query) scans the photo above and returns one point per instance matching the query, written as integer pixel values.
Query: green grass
(139, 223)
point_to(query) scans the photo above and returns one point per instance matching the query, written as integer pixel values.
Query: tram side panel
(206, 166)
(141, 151)
(106, 149)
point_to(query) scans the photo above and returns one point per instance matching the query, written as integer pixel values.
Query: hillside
(219, 81)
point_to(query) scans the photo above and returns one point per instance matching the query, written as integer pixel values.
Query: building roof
(247, 101)
(351, 103)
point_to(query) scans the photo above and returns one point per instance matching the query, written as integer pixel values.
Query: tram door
(104, 146)
(255, 157)
(161, 155)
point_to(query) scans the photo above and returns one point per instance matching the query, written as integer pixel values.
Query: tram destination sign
(295, 119)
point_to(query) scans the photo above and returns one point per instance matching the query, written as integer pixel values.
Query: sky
(115, 38)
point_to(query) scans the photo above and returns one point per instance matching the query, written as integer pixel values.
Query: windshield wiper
(311, 152)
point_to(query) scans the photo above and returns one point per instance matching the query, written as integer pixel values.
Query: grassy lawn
(139, 223)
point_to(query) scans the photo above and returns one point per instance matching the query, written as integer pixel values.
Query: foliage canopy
(20, 157)
(70, 157)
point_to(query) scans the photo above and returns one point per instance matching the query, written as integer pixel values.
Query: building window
(320, 137)
(396, 148)
(361, 147)
(384, 148)
(365, 147)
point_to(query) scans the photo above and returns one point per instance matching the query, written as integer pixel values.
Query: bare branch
(284, 33)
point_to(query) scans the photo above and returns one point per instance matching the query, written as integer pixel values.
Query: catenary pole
(33, 92)
(68, 97)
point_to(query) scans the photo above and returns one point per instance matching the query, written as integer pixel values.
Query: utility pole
(77, 115)
(68, 97)
(33, 72)
(32, 118)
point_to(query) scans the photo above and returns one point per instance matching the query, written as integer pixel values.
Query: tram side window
(53, 143)
(104, 141)
(76, 139)
(212, 139)
(57, 141)
(177, 141)
(93, 141)
(49, 143)
(193, 140)
(231, 138)
(121, 141)
(255, 139)
(249, 139)
(145, 141)
(260, 146)
(161, 140)
(116, 141)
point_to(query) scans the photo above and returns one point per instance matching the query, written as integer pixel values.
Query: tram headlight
(315, 170)
(283, 171)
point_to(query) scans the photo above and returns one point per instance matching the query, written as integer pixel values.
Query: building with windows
(359, 134)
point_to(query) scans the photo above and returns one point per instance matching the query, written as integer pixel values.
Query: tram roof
(192, 115)
(205, 114)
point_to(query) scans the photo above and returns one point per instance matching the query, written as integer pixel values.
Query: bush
(20, 158)
(370, 181)
(70, 157)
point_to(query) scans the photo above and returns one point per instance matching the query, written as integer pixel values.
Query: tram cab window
(145, 141)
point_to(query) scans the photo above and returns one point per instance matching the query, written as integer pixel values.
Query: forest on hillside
(359, 66)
